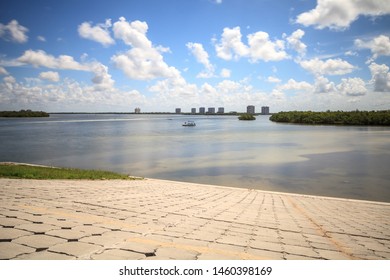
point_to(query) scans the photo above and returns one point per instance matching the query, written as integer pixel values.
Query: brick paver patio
(156, 219)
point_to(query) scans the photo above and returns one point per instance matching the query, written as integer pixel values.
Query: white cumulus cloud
(143, 61)
(132, 33)
(50, 76)
(380, 77)
(272, 79)
(229, 87)
(14, 32)
(40, 58)
(294, 85)
(351, 53)
(294, 41)
(99, 33)
(225, 73)
(174, 88)
(202, 57)
(230, 45)
(336, 14)
(3, 71)
(102, 79)
(67, 95)
(327, 67)
(9, 83)
(379, 46)
(352, 86)
(9, 79)
(260, 46)
(323, 85)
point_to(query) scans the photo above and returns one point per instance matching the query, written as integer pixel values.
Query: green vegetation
(23, 114)
(334, 118)
(246, 117)
(37, 172)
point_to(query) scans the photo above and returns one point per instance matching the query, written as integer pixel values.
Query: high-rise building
(202, 110)
(193, 111)
(137, 110)
(178, 111)
(250, 109)
(221, 110)
(211, 110)
(265, 110)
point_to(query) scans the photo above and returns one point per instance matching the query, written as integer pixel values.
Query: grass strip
(37, 172)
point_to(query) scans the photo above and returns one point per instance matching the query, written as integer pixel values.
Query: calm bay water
(350, 162)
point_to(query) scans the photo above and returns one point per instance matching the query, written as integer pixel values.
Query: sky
(114, 56)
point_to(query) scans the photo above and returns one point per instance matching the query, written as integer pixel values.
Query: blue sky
(159, 55)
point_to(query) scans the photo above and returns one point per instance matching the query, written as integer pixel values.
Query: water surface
(340, 161)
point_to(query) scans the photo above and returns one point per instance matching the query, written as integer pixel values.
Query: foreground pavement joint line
(157, 219)
(340, 247)
(200, 249)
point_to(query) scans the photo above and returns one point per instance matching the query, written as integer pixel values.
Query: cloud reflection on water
(325, 160)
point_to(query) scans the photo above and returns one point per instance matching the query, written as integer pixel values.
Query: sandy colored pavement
(156, 219)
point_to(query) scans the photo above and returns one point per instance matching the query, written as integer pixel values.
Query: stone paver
(8, 234)
(100, 240)
(156, 219)
(10, 222)
(93, 230)
(174, 253)
(68, 234)
(117, 254)
(36, 228)
(39, 241)
(45, 255)
(77, 249)
(10, 250)
(270, 246)
(142, 248)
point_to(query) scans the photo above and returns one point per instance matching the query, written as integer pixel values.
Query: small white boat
(189, 123)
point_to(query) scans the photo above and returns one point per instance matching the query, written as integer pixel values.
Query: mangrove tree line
(23, 114)
(334, 117)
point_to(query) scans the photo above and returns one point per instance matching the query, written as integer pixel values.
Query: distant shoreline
(24, 114)
(359, 118)
(152, 113)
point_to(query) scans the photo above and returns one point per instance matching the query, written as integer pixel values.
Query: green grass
(42, 173)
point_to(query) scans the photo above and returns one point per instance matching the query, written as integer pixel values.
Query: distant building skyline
(250, 109)
(265, 110)
(211, 110)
